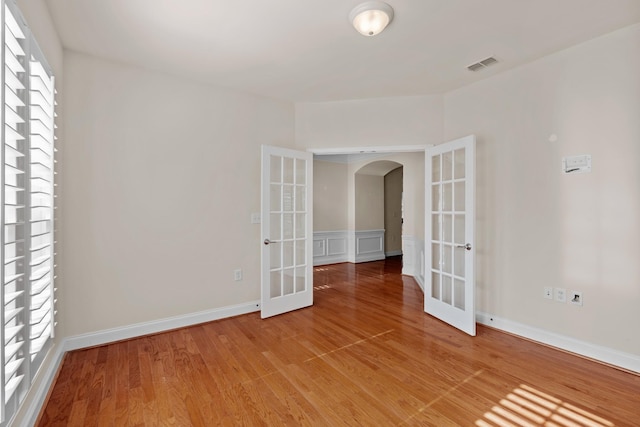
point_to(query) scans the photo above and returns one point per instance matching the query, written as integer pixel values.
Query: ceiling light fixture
(371, 17)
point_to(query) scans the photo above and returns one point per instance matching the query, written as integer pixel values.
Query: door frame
(384, 149)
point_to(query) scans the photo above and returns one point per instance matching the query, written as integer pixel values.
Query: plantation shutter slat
(11, 79)
(11, 333)
(14, 169)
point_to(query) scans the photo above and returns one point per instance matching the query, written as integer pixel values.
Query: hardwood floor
(364, 354)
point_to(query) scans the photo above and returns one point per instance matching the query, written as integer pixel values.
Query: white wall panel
(369, 245)
(330, 247)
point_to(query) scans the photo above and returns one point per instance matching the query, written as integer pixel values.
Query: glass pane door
(449, 242)
(287, 258)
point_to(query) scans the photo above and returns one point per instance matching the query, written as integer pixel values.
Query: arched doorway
(377, 210)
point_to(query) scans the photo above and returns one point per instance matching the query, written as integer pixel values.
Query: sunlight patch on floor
(527, 407)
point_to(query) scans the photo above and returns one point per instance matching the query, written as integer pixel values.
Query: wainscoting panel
(330, 247)
(369, 245)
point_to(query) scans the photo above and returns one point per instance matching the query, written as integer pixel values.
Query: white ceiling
(306, 50)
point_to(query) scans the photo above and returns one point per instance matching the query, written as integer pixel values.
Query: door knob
(467, 246)
(268, 242)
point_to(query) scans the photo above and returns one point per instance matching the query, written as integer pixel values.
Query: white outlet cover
(576, 164)
(561, 295)
(548, 292)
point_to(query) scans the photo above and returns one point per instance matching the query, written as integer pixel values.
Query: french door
(287, 230)
(449, 243)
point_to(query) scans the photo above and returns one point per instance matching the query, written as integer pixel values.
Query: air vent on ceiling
(482, 64)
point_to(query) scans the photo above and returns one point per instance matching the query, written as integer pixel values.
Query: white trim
(408, 255)
(370, 150)
(351, 246)
(420, 281)
(413, 258)
(626, 361)
(156, 326)
(330, 247)
(347, 158)
(369, 245)
(40, 393)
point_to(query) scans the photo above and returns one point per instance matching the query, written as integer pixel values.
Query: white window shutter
(14, 210)
(27, 214)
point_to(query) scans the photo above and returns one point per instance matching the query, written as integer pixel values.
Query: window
(26, 194)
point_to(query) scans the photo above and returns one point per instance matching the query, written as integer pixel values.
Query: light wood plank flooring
(364, 354)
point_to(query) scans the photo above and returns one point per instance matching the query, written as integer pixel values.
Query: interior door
(287, 233)
(449, 243)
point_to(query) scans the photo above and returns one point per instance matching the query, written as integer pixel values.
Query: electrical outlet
(548, 292)
(561, 295)
(575, 298)
(237, 274)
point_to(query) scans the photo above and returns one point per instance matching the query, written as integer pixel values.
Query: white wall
(329, 196)
(370, 122)
(160, 177)
(369, 202)
(537, 227)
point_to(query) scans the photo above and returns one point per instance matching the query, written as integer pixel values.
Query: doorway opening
(378, 210)
(350, 222)
(393, 218)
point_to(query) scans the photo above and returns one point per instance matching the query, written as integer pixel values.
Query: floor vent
(482, 64)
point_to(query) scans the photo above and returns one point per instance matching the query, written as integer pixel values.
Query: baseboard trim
(393, 253)
(41, 393)
(419, 280)
(606, 355)
(330, 260)
(146, 328)
(369, 258)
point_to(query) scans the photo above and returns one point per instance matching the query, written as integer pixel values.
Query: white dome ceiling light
(371, 17)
